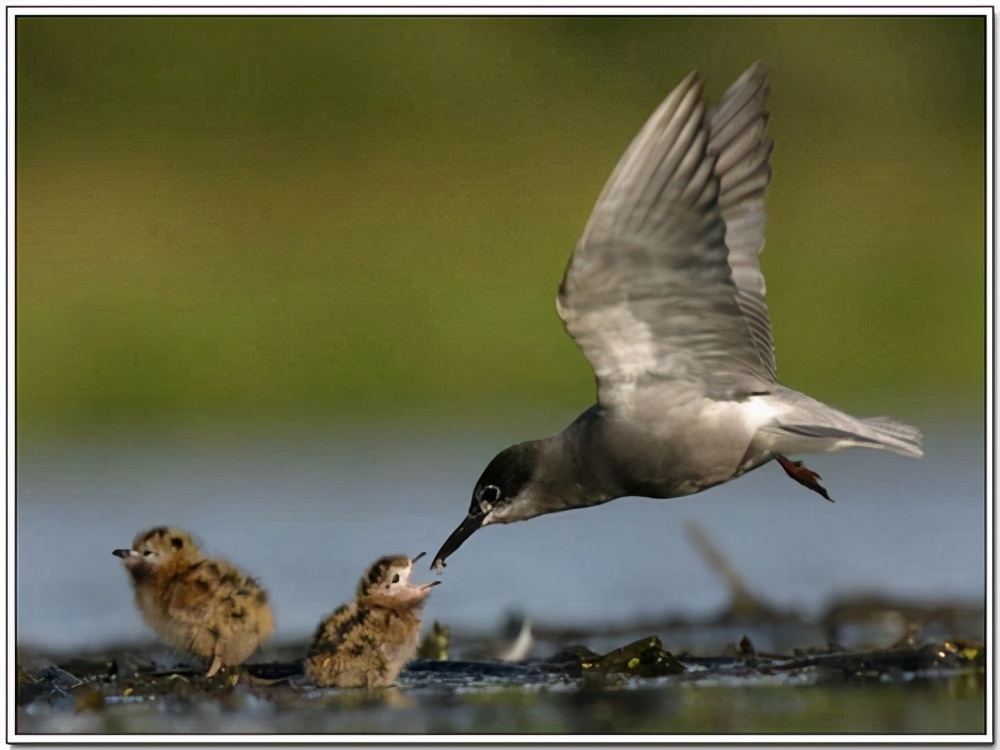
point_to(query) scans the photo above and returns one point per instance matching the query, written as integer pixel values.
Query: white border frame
(413, 8)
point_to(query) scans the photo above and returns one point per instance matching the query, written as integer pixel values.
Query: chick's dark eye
(395, 578)
(489, 494)
(147, 553)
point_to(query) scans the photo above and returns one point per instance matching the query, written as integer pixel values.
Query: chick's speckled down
(203, 607)
(367, 642)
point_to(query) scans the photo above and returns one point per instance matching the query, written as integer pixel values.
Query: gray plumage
(665, 297)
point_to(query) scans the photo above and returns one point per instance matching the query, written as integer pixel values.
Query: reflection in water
(307, 515)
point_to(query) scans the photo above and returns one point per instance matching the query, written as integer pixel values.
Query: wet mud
(139, 690)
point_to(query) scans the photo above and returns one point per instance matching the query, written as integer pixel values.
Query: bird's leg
(806, 477)
(216, 666)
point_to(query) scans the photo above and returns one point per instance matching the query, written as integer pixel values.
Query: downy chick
(207, 608)
(367, 642)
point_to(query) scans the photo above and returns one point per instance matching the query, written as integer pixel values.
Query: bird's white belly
(746, 416)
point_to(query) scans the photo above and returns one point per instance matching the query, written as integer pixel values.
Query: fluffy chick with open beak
(367, 642)
(207, 608)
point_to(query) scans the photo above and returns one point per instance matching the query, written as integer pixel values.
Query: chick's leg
(216, 666)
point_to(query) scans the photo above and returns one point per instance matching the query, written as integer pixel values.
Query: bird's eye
(395, 578)
(147, 553)
(489, 494)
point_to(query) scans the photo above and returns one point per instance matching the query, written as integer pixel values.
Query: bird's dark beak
(472, 522)
(122, 553)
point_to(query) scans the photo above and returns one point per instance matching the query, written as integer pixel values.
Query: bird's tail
(812, 427)
(874, 432)
(895, 436)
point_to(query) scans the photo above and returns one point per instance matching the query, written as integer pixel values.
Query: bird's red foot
(802, 475)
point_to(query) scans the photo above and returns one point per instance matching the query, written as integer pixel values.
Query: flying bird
(665, 296)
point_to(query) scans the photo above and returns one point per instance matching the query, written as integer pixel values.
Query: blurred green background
(232, 222)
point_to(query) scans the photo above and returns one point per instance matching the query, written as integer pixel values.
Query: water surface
(307, 514)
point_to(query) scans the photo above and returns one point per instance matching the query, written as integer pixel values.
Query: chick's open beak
(472, 522)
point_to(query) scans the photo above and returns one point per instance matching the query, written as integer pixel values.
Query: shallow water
(480, 699)
(308, 514)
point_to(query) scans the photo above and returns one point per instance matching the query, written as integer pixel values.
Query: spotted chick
(367, 642)
(207, 608)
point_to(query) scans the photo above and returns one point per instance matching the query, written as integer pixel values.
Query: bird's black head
(503, 494)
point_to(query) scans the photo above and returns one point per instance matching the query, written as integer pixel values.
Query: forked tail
(809, 426)
(874, 432)
(896, 436)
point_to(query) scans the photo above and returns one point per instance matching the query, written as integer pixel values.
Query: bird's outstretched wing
(738, 138)
(649, 293)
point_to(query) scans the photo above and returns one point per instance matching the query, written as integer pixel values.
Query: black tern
(665, 297)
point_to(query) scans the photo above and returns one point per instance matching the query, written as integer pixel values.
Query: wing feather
(649, 293)
(739, 139)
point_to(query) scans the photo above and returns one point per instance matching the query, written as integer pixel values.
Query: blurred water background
(289, 282)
